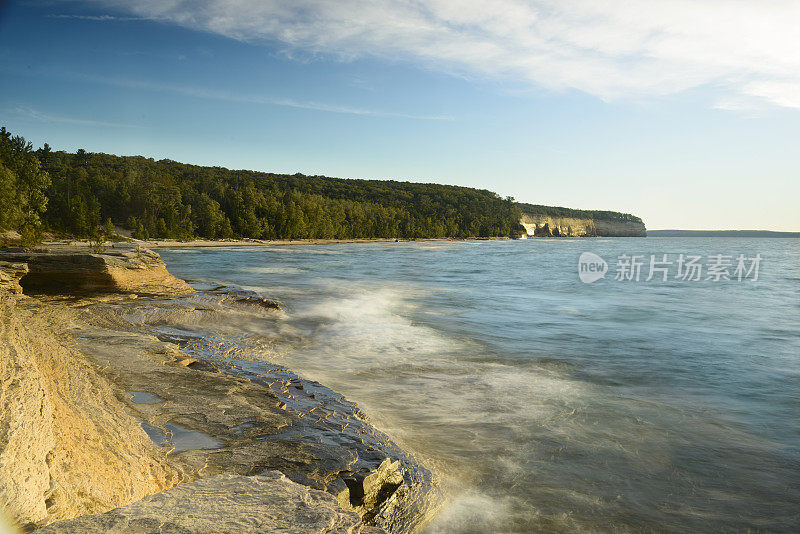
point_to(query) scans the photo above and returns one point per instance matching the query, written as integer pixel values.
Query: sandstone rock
(367, 490)
(230, 504)
(384, 497)
(67, 445)
(75, 271)
(71, 441)
(10, 273)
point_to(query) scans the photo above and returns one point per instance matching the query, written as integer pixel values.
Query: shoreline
(220, 410)
(67, 244)
(200, 243)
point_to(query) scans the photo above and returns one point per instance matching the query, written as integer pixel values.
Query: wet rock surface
(118, 398)
(268, 502)
(246, 297)
(360, 465)
(262, 416)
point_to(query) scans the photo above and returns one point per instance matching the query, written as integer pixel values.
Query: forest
(84, 194)
(79, 193)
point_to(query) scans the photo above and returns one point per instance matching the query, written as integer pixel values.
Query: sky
(683, 112)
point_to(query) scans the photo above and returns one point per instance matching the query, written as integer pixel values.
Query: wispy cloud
(98, 18)
(611, 49)
(44, 117)
(229, 96)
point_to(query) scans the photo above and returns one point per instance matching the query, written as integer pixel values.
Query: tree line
(76, 193)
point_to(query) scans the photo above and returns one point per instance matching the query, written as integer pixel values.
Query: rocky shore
(127, 406)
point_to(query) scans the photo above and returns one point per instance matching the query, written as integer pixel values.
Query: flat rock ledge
(137, 271)
(225, 504)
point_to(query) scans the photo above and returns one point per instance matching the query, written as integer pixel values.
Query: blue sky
(642, 107)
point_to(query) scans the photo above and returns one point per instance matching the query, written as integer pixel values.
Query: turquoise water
(546, 403)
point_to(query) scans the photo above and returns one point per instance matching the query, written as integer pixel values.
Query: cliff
(544, 226)
(537, 225)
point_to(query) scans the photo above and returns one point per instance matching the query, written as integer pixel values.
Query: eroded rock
(246, 297)
(545, 226)
(367, 490)
(269, 417)
(67, 444)
(74, 440)
(268, 502)
(359, 464)
(75, 271)
(10, 274)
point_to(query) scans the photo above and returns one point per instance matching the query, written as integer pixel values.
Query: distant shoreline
(720, 233)
(74, 244)
(219, 243)
(201, 243)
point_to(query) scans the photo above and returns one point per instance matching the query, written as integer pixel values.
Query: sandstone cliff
(544, 226)
(549, 226)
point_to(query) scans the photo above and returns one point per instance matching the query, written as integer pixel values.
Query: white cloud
(97, 18)
(781, 92)
(611, 49)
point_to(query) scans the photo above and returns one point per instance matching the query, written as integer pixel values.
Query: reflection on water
(184, 439)
(143, 397)
(549, 404)
(180, 438)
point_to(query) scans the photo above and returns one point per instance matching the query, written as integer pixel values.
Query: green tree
(24, 183)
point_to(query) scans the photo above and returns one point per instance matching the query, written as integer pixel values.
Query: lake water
(548, 404)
